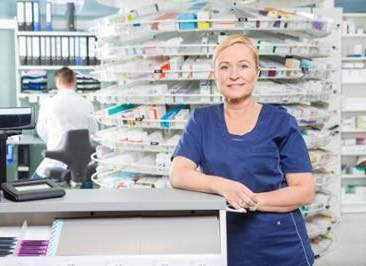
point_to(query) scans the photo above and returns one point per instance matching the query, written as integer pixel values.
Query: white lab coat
(65, 111)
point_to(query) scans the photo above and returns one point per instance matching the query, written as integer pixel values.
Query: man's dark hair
(65, 75)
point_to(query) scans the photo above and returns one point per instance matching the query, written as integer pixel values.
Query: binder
(22, 43)
(36, 16)
(83, 50)
(77, 51)
(65, 50)
(48, 16)
(70, 16)
(35, 50)
(53, 50)
(42, 51)
(58, 60)
(48, 50)
(21, 15)
(29, 50)
(91, 51)
(72, 50)
(28, 16)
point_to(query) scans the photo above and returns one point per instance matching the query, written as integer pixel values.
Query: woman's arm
(183, 174)
(300, 191)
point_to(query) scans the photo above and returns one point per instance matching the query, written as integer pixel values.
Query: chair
(75, 153)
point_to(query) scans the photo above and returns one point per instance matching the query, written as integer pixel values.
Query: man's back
(65, 111)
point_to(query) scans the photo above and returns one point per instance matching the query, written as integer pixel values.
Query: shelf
(353, 58)
(354, 83)
(293, 3)
(353, 153)
(344, 176)
(49, 67)
(111, 163)
(353, 206)
(354, 15)
(353, 131)
(54, 33)
(354, 36)
(35, 96)
(353, 110)
(122, 53)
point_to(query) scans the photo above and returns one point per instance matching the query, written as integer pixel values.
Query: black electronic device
(16, 118)
(12, 121)
(32, 190)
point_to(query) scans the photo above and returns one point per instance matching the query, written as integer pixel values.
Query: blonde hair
(234, 39)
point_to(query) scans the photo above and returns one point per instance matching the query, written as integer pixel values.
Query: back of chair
(75, 153)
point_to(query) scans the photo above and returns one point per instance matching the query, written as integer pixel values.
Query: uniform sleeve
(93, 126)
(190, 142)
(293, 152)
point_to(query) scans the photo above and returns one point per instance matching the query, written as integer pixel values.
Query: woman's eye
(244, 66)
(224, 67)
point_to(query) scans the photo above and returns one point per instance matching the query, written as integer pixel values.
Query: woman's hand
(236, 194)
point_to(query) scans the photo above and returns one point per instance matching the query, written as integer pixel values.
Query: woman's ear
(258, 72)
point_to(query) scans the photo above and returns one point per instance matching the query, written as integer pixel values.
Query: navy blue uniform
(258, 159)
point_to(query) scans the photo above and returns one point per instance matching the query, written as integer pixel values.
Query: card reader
(32, 190)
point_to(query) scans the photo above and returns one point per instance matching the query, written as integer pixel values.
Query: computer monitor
(16, 118)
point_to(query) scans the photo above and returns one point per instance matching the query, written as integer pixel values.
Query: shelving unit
(353, 129)
(52, 48)
(140, 63)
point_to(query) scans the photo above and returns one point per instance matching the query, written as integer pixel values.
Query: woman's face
(236, 72)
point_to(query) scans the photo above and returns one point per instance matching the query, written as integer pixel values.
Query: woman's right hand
(236, 194)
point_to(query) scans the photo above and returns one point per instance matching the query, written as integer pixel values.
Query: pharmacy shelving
(144, 82)
(33, 47)
(353, 114)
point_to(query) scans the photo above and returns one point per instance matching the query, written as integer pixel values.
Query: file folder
(22, 43)
(48, 50)
(65, 51)
(77, 51)
(83, 50)
(42, 50)
(29, 50)
(35, 50)
(21, 15)
(91, 51)
(28, 16)
(53, 50)
(48, 16)
(72, 50)
(36, 17)
(58, 60)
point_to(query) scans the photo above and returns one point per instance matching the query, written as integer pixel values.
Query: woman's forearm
(193, 180)
(284, 199)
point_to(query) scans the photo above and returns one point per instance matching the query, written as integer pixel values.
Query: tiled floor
(349, 248)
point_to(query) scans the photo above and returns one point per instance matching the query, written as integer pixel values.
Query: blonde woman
(254, 156)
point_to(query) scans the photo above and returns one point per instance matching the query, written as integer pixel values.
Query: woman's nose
(234, 73)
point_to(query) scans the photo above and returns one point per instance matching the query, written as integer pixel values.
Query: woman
(255, 157)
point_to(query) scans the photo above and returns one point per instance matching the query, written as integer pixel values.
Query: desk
(24, 139)
(142, 203)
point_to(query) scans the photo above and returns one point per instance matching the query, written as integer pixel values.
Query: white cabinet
(353, 113)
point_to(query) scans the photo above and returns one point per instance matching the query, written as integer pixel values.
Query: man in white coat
(65, 111)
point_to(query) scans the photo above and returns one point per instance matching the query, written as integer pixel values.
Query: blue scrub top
(258, 159)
